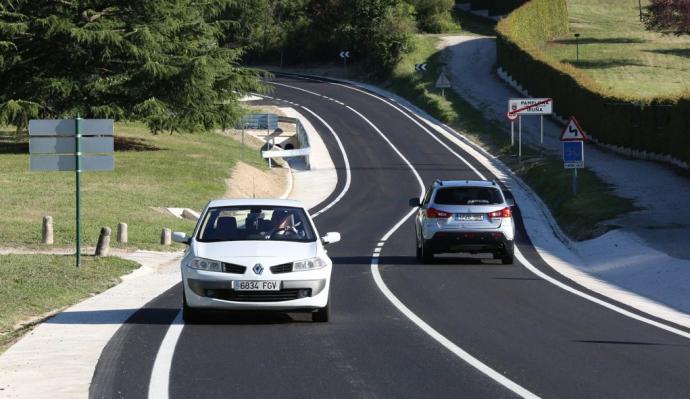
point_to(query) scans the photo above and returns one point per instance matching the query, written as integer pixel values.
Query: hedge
(496, 7)
(660, 126)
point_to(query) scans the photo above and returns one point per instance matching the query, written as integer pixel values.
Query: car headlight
(308, 264)
(206, 264)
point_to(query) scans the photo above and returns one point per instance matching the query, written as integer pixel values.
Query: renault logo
(258, 269)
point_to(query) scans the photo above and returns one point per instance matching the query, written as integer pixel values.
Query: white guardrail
(302, 138)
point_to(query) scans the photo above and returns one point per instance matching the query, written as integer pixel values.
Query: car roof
(255, 202)
(465, 183)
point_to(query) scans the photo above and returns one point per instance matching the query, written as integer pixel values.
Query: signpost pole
(242, 153)
(542, 128)
(574, 181)
(520, 137)
(77, 169)
(512, 133)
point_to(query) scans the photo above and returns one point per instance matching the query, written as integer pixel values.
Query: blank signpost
(60, 144)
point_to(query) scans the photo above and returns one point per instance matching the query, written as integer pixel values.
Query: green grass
(581, 217)
(33, 285)
(150, 171)
(619, 55)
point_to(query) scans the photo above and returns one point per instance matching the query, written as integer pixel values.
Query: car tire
(189, 315)
(427, 254)
(508, 258)
(322, 315)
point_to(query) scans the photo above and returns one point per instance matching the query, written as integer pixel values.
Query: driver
(283, 222)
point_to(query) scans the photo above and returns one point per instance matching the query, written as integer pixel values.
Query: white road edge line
(160, 374)
(524, 260)
(159, 384)
(348, 175)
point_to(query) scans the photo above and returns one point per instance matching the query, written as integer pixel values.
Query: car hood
(249, 252)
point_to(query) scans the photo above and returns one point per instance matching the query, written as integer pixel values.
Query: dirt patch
(247, 181)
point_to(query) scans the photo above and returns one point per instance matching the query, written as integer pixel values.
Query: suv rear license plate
(469, 217)
(256, 285)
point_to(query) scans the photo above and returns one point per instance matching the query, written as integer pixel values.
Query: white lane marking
(348, 177)
(460, 157)
(539, 273)
(596, 300)
(438, 337)
(159, 384)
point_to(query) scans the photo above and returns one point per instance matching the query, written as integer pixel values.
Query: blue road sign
(573, 154)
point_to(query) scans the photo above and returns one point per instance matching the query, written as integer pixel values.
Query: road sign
(345, 54)
(573, 131)
(420, 67)
(67, 145)
(573, 154)
(260, 121)
(66, 127)
(60, 144)
(511, 116)
(530, 106)
(68, 162)
(442, 82)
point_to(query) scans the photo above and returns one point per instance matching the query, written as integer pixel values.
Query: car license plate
(469, 217)
(256, 285)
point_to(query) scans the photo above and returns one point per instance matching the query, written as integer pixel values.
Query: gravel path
(663, 221)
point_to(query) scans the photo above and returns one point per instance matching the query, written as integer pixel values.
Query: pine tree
(156, 60)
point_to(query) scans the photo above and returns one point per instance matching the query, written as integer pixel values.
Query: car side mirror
(414, 202)
(181, 237)
(510, 202)
(330, 238)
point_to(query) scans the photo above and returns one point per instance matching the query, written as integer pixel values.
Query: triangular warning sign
(573, 131)
(442, 82)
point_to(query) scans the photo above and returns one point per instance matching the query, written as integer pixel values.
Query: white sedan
(256, 254)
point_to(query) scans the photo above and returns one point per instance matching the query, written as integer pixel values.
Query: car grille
(260, 296)
(230, 268)
(284, 268)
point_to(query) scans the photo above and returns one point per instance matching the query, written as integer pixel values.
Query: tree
(433, 16)
(157, 60)
(668, 16)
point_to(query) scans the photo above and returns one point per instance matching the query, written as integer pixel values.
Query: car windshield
(468, 196)
(237, 223)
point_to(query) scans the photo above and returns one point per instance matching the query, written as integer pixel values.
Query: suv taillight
(503, 213)
(435, 213)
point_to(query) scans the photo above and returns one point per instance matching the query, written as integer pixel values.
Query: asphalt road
(538, 338)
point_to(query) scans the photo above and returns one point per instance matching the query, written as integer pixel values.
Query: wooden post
(166, 236)
(122, 233)
(103, 246)
(48, 230)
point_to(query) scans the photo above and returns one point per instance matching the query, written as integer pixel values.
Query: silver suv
(471, 216)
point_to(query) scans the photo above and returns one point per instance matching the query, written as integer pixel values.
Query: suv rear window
(468, 196)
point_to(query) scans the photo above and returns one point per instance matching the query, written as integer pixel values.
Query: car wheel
(427, 254)
(322, 315)
(189, 314)
(508, 258)
(418, 250)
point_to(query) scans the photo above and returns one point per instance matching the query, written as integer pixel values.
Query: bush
(661, 125)
(433, 16)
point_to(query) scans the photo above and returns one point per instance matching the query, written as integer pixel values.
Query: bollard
(166, 236)
(103, 246)
(122, 233)
(48, 230)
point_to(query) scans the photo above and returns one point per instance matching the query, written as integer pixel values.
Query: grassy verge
(581, 217)
(619, 54)
(32, 285)
(150, 172)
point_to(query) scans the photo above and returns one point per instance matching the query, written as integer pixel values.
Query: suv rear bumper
(472, 242)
